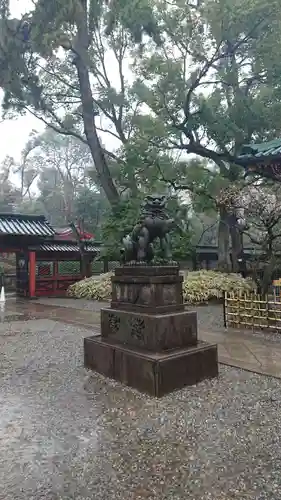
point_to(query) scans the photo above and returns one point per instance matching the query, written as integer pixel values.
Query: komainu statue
(153, 223)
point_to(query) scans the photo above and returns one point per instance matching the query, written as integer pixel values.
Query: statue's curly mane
(154, 206)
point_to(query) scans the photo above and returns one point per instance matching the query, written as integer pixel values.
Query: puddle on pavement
(8, 315)
(8, 318)
(13, 310)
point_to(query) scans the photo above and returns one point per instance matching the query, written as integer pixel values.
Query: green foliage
(91, 207)
(210, 83)
(58, 165)
(121, 219)
(119, 222)
(9, 194)
(198, 287)
(194, 82)
(181, 245)
(137, 16)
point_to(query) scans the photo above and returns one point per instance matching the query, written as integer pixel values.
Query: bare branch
(116, 136)
(55, 74)
(119, 55)
(205, 230)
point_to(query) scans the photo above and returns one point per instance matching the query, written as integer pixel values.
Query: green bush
(95, 288)
(203, 286)
(198, 286)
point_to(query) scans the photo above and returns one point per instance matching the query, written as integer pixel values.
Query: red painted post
(55, 277)
(32, 274)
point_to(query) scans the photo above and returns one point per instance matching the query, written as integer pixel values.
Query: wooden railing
(252, 311)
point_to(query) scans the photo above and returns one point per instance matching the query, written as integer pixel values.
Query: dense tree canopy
(161, 94)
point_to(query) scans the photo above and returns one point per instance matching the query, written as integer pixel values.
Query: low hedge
(198, 286)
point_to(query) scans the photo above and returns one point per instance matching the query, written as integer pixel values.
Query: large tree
(211, 86)
(62, 88)
(10, 195)
(55, 179)
(260, 220)
(60, 166)
(205, 84)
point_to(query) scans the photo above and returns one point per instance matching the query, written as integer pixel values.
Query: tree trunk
(88, 112)
(269, 266)
(84, 258)
(224, 263)
(237, 247)
(266, 279)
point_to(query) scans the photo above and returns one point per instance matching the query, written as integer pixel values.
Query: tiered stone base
(148, 340)
(154, 373)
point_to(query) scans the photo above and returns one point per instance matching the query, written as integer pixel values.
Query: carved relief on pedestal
(114, 323)
(145, 294)
(169, 294)
(137, 327)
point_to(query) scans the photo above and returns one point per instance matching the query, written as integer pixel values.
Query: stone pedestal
(154, 332)
(148, 341)
(138, 289)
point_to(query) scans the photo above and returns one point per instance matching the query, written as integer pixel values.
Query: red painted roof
(66, 234)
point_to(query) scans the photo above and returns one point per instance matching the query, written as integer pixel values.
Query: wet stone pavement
(67, 433)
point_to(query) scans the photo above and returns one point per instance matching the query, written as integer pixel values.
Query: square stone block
(154, 332)
(99, 357)
(153, 373)
(159, 293)
(147, 288)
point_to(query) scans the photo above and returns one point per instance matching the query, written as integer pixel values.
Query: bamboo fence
(252, 311)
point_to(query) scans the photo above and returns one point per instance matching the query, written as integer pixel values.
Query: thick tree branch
(184, 187)
(57, 128)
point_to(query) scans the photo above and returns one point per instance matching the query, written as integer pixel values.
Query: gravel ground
(66, 433)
